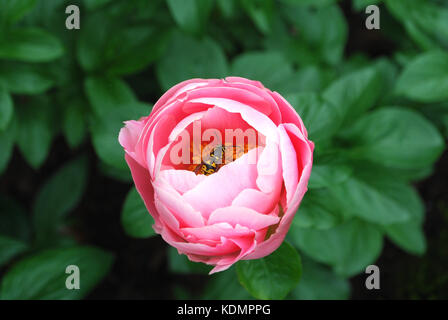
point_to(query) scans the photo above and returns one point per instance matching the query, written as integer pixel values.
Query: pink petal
(163, 128)
(257, 200)
(220, 119)
(303, 147)
(289, 115)
(243, 216)
(242, 96)
(306, 156)
(219, 268)
(172, 137)
(289, 163)
(181, 211)
(224, 247)
(181, 180)
(167, 217)
(164, 120)
(218, 230)
(269, 169)
(259, 89)
(128, 138)
(247, 245)
(177, 90)
(254, 118)
(254, 83)
(219, 189)
(142, 180)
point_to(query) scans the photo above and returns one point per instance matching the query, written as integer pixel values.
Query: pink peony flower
(222, 165)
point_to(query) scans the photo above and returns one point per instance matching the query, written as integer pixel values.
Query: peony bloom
(222, 165)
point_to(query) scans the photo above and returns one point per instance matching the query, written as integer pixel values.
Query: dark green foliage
(271, 277)
(379, 125)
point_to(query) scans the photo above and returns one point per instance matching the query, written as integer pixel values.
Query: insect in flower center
(211, 159)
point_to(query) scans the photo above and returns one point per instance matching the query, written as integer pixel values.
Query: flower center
(210, 158)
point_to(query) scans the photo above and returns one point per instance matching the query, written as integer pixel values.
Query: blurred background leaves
(375, 103)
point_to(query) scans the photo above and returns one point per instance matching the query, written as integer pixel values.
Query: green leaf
(270, 68)
(135, 218)
(92, 42)
(13, 220)
(306, 79)
(57, 197)
(47, 14)
(312, 3)
(260, 11)
(7, 138)
(445, 124)
(225, 286)
(425, 79)
(30, 45)
(22, 78)
(134, 48)
(188, 58)
(349, 247)
(179, 263)
(95, 4)
(117, 49)
(353, 63)
(435, 113)
(108, 94)
(354, 93)
(395, 137)
(43, 275)
(422, 39)
(320, 117)
(374, 198)
(13, 10)
(411, 175)
(14, 230)
(35, 130)
(363, 168)
(320, 283)
(9, 248)
(105, 142)
(112, 102)
(389, 74)
(190, 15)
(6, 108)
(328, 174)
(409, 236)
(271, 277)
(74, 123)
(425, 21)
(227, 7)
(317, 211)
(361, 5)
(323, 33)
